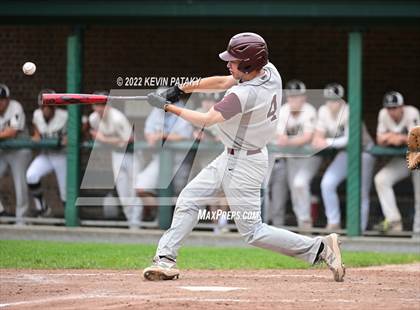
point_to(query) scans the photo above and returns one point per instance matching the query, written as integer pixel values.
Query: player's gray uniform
(294, 172)
(18, 160)
(159, 121)
(396, 169)
(50, 160)
(124, 164)
(336, 132)
(241, 175)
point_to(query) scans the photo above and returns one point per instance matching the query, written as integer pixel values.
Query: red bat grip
(66, 99)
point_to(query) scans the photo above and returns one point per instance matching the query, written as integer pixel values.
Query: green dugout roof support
(74, 85)
(302, 9)
(355, 128)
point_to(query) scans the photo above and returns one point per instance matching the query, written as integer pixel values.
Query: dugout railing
(165, 195)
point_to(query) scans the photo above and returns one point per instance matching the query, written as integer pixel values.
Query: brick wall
(317, 55)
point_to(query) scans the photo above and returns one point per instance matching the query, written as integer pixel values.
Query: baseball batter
(246, 119)
(394, 122)
(110, 126)
(12, 125)
(332, 131)
(48, 122)
(295, 129)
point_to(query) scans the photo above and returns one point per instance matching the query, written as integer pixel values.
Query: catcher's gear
(393, 99)
(413, 152)
(172, 94)
(334, 91)
(157, 101)
(250, 48)
(295, 88)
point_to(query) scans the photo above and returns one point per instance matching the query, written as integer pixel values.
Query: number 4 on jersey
(273, 108)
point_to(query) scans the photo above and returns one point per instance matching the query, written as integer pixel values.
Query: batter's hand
(172, 94)
(157, 101)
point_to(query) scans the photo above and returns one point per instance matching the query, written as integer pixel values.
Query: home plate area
(388, 287)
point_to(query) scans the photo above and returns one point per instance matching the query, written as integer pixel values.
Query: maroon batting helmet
(250, 48)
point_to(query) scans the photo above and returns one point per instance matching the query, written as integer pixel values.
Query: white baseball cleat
(161, 269)
(331, 255)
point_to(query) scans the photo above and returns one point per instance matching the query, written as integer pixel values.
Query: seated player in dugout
(296, 127)
(161, 127)
(332, 131)
(12, 125)
(110, 126)
(48, 122)
(394, 122)
(246, 119)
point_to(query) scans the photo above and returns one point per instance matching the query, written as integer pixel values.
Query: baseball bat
(68, 99)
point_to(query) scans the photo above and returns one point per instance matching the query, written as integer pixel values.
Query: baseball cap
(393, 99)
(4, 91)
(295, 88)
(333, 91)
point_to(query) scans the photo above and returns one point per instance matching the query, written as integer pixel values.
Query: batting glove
(157, 101)
(172, 94)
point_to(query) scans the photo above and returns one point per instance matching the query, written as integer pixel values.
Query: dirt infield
(388, 287)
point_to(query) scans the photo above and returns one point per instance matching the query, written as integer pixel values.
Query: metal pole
(74, 85)
(355, 128)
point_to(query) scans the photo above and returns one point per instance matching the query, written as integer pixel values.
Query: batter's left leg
(201, 191)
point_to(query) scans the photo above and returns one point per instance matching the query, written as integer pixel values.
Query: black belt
(250, 152)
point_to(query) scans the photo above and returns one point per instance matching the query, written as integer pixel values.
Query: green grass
(57, 255)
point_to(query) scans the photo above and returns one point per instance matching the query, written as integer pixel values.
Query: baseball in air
(29, 68)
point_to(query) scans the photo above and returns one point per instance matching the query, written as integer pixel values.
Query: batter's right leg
(241, 186)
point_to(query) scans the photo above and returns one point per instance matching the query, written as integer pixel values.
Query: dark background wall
(315, 54)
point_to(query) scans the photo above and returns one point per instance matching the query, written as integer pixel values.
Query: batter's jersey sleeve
(229, 106)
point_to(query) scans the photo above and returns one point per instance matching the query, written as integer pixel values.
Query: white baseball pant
(300, 172)
(295, 174)
(44, 164)
(18, 161)
(278, 193)
(337, 173)
(240, 176)
(393, 172)
(125, 167)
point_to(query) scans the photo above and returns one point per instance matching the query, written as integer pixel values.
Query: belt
(250, 152)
